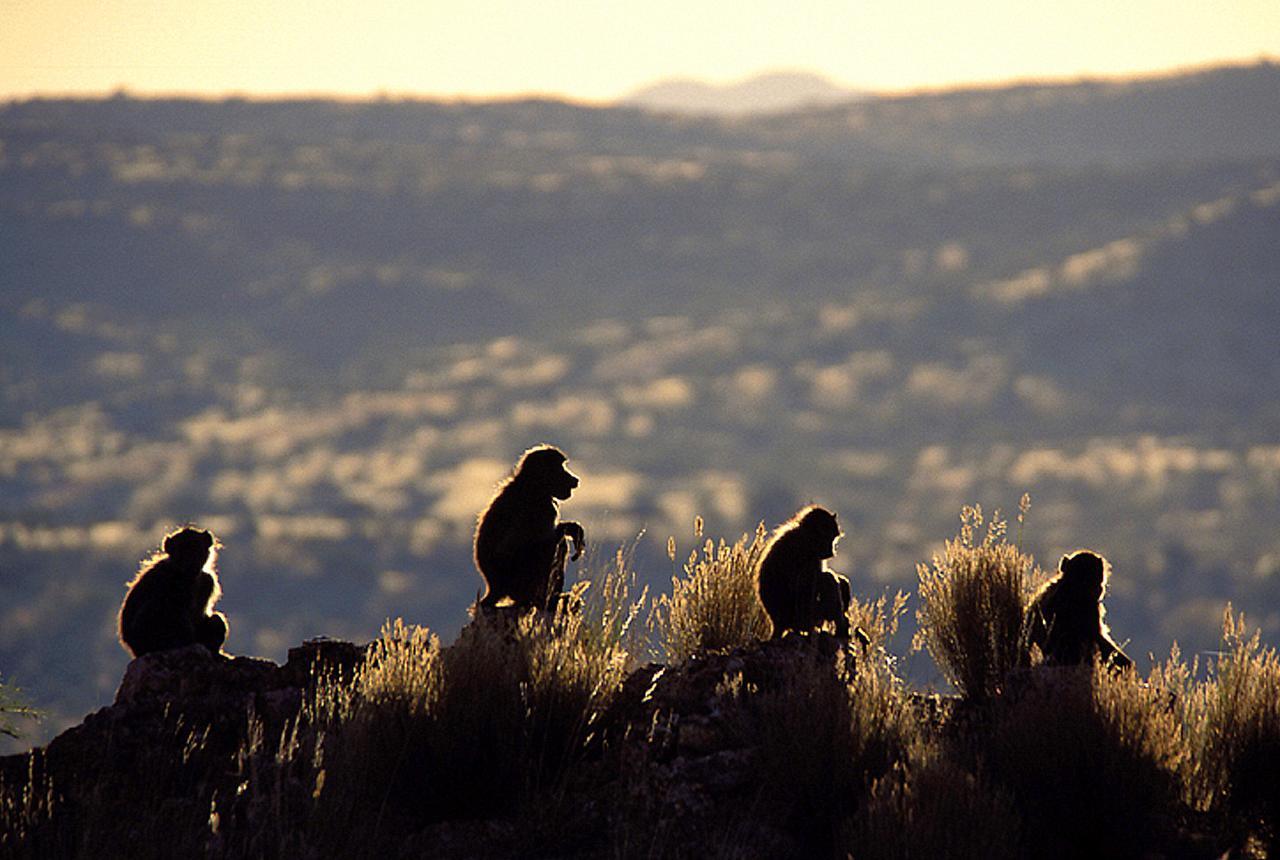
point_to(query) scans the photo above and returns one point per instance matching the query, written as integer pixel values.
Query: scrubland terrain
(538, 737)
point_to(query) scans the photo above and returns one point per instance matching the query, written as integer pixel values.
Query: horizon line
(125, 91)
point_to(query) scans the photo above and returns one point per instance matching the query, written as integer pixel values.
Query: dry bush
(371, 735)
(490, 724)
(123, 798)
(879, 619)
(933, 808)
(12, 704)
(1092, 757)
(713, 606)
(1239, 753)
(823, 733)
(972, 607)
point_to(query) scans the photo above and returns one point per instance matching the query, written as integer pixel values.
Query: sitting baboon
(797, 590)
(1066, 616)
(520, 547)
(170, 602)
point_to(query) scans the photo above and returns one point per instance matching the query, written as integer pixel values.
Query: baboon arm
(575, 533)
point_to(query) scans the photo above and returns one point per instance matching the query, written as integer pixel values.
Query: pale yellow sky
(600, 50)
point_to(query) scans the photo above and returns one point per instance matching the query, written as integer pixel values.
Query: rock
(192, 687)
(682, 749)
(322, 658)
(194, 673)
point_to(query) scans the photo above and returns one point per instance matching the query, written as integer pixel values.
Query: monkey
(170, 602)
(1067, 618)
(793, 583)
(521, 547)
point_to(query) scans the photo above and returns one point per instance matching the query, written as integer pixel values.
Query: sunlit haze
(599, 51)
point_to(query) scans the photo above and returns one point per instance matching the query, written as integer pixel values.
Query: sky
(598, 51)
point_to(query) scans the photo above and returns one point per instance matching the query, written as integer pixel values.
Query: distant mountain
(768, 93)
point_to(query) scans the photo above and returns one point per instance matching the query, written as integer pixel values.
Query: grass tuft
(972, 606)
(713, 606)
(1239, 753)
(1095, 760)
(932, 807)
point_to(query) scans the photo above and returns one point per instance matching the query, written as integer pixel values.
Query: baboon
(521, 548)
(797, 590)
(170, 602)
(1066, 616)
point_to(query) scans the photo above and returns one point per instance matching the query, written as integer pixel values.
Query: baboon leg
(211, 631)
(555, 577)
(833, 602)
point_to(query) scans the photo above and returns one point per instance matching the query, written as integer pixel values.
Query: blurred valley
(325, 329)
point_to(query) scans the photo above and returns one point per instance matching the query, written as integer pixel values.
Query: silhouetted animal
(170, 602)
(520, 547)
(797, 590)
(1066, 616)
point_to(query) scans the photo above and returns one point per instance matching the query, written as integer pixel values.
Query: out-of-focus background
(325, 327)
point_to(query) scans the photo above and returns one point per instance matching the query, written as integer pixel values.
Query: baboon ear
(1062, 564)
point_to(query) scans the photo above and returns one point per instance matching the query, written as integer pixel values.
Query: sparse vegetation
(514, 740)
(932, 807)
(13, 707)
(1239, 751)
(825, 731)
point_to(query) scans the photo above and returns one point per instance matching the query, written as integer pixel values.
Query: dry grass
(13, 705)
(972, 606)
(933, 808)
(824, 732)
(713, 606)
(1093, 758)
(492, 723)
(1033, 761)
(1239, 751)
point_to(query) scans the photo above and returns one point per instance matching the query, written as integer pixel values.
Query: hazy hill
(767, 93)
(325, 328)
(1228, 112)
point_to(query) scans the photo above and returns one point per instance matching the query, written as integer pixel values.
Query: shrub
(490, 724)
(1239, 753)
(931, 807)
(1094, 759)
(972, 606)
(823, 733)
(12, 704)
(713, 606)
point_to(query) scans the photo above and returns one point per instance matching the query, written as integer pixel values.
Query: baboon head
(188, 545)
(823, 529)
(1085, 574)
(544, 467)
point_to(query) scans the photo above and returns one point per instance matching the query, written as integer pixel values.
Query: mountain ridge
(769, 92)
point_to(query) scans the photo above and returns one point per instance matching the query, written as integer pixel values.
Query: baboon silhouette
(1067, 618)
(521, 547)
(797, 590)
(170, 602)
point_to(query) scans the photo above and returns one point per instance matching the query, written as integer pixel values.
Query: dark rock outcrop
(672, 761)
(186, 701)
